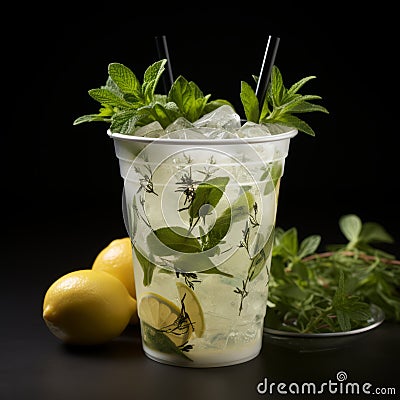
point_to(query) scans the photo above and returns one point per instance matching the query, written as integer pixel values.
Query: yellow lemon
(192, 307)
(116, 259)
(166, 317)
(87, 307)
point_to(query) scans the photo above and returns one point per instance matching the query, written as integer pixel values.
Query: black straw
(266, 68)
(162, 51)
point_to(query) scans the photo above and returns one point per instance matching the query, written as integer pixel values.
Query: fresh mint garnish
(127, 103)
(280, 103)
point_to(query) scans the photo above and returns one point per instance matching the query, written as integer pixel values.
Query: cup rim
(259, 139)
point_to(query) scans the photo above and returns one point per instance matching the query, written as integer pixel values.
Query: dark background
(61, 188)
(68, 175)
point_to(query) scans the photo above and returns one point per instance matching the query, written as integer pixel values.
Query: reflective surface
(309, 342)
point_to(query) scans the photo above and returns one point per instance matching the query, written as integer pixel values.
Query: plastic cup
(201, 216)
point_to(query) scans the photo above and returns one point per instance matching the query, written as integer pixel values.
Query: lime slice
(192, 307)
(165, 316)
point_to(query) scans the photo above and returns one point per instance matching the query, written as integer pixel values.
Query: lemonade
(201, 217)
(200, 196)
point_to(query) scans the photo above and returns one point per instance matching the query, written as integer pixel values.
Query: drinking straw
(162, 51)
(266, 68)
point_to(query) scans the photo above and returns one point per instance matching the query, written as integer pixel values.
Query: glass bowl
(311, 342)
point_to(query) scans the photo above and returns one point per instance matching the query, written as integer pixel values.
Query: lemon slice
(165, 316)
(192, 307)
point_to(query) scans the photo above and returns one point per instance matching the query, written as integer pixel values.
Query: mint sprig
(280, 103)
(126, 103)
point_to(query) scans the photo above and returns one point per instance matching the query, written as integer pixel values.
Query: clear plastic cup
(201, 217)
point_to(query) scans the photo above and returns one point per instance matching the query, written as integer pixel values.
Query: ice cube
(223, 117)
(275, 129)
(251, 129)
(185, 134)
(217, 133)
(178, 124)
(154, 130)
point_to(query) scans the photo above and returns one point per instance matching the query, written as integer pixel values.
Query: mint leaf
(124, 121)
(259, 262)
(202, 262)
(214, 104)
(250, 103)
(306, 107)
(277, 90)
(178, 239)
(126, 81)
(107, 97)
(297, 101)
(147, 266)
(164, 114)
(208, 193)
(237, 212)
(298, 85)
(151, 77)
(188, 97)
(293, 121)
(274, 170)
(157, 340)
(91, 118)
(218, 231)
(216, 271)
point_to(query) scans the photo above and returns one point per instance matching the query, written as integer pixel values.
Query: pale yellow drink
(201, 216)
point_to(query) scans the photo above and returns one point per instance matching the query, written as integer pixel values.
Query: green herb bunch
(280, 103)
(127, 103)
(332, 291)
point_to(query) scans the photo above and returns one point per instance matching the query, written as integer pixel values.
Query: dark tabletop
(36, 365)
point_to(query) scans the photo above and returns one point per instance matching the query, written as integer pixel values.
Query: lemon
(87, 307)
(163, 315)
(116, 259)
(192, 307)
